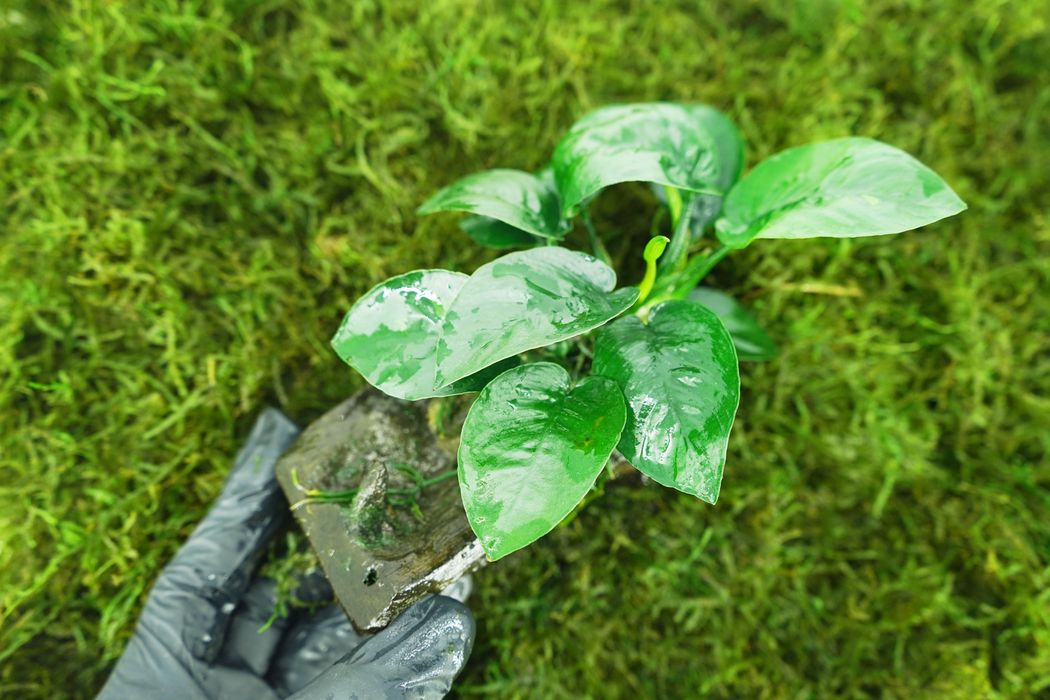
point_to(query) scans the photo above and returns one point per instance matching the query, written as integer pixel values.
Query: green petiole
(678, 286)
(697, 269)
(681, 238)
(597, 247)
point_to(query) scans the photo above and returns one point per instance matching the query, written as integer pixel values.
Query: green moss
(288, 562)
(376, 527)
(191, 196)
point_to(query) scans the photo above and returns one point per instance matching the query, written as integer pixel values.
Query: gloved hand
(198, 636)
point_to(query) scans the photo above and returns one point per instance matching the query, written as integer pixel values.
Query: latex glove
(198, 636)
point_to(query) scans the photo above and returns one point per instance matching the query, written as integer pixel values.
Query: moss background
(192, 192)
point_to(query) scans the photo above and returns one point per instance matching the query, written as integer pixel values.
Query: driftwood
(378, 557)
(379, 552)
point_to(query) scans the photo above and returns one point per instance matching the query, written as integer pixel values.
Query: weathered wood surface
(380, 559)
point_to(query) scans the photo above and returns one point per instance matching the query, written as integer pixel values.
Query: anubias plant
(570, 368)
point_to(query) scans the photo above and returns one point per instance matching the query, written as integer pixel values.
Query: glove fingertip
(272, 434)
(417, 656)
(436, 633)
(279, 422)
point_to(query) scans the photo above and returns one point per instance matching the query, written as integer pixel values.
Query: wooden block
(380, 558)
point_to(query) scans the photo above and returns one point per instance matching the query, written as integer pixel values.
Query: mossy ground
(192, 194)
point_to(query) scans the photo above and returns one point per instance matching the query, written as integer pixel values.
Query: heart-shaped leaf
(752, 343)
(522, 301)
(514, 197)
(493, 233)
(842, 188)
(532, 446)
(391, 333)
(680, 377)
(688, 146)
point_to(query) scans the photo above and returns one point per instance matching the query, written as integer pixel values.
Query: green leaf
(546, 176)
(522, 301)
(514, 197)
(531, 448)
(706, 209)
(682, 384)
(492, 233)
(842, 188)
(391, 333)
(688, 146)
(751, 342)
(480, 379)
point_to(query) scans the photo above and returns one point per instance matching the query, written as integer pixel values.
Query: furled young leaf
(391, 333)
(682, 384)
(522, 301)
(514, 197)
(531, 448)
(752, 343)
(842, 188)
(493, 233)
(688, 146)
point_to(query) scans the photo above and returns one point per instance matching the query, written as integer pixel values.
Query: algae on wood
(380, 558)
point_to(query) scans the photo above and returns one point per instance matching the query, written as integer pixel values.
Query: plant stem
(678, 286)
(674, 202)
(596, 243)
(697, 269)
(654, 228)
(681, 238)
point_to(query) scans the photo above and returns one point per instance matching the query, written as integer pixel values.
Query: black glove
(198, 636)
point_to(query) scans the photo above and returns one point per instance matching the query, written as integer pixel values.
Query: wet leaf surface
(532, 447)
(689, 146)
(680, 377)
(493, 233)
(391, 333)
(517, 198)
(522, 301)
(841, 188)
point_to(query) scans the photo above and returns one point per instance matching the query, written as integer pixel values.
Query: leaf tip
(427, 207)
